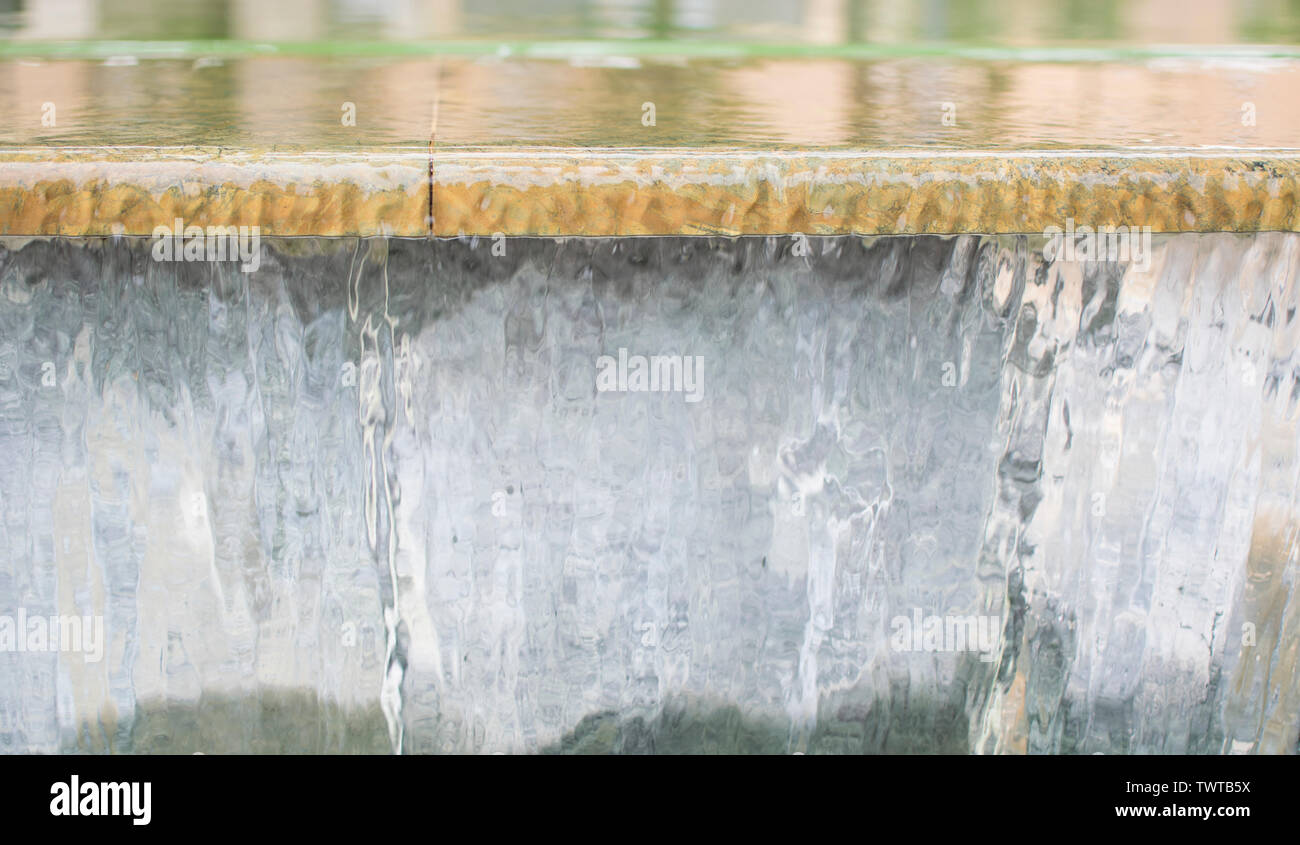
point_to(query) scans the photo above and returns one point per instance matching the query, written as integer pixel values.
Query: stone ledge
(551, 192)
(130, 191)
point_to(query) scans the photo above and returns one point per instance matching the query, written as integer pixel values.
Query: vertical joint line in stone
(433, 138)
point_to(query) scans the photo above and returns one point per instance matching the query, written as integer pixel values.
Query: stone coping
(98, 191)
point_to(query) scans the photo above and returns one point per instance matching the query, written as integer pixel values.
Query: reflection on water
(598, 101)
(799, 21)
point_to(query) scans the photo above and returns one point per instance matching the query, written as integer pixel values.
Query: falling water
(369, 497)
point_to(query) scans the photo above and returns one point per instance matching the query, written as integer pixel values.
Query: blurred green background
(796, 22)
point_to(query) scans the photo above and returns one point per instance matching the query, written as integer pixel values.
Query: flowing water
(375, 497)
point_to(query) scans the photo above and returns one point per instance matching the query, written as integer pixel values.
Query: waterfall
(936, 494)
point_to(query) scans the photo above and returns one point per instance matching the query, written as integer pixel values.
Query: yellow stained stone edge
(860, 193)
(629, 192)
(132, 191)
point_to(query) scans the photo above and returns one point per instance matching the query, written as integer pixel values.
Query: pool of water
(129, 96)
